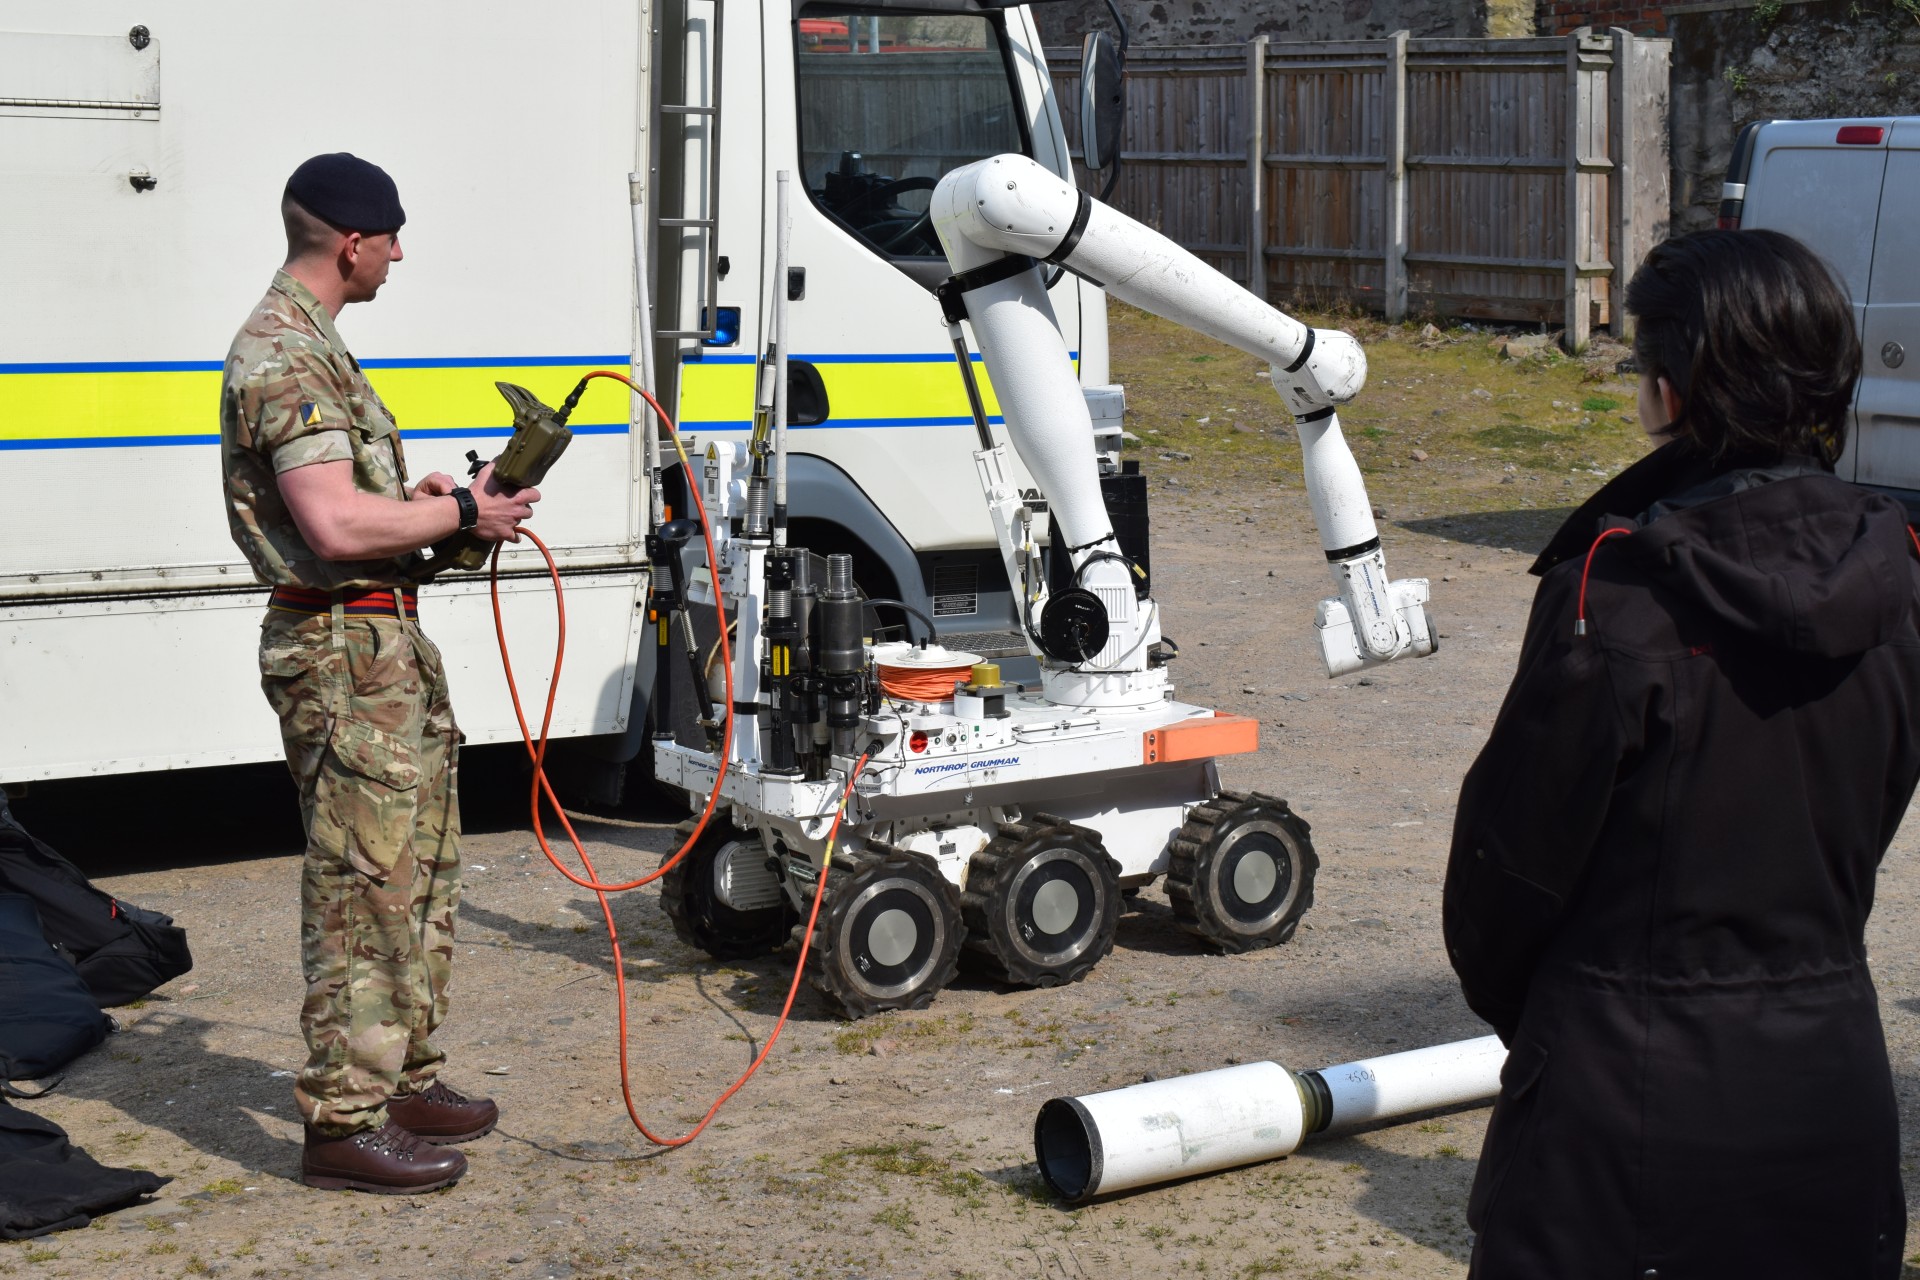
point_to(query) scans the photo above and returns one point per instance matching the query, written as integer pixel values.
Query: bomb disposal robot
(995, 823)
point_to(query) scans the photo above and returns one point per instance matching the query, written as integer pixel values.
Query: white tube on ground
(1134, 1137)
(1176, 1128)
(1443, 1075)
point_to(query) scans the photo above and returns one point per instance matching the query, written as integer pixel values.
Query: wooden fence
(1501, 179)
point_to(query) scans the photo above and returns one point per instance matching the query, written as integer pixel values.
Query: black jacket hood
(1777, 552)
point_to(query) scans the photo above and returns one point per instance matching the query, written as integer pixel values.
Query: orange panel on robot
(1222, 734)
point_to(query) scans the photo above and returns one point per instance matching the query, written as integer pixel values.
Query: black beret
(349, 192)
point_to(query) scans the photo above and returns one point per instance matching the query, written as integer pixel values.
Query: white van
(1849, 189)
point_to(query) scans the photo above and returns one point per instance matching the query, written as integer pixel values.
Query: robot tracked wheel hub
(1242, 871)
(1041, 904)
(700, 892)
(889, 932)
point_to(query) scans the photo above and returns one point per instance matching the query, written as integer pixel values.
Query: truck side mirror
(1102, 100)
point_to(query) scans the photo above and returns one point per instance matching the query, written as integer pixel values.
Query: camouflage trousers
(373, 748)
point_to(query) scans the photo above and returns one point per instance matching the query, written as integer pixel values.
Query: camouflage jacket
(294, 395)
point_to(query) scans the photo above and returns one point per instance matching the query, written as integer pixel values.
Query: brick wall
(1557, 17)
(1233, 21)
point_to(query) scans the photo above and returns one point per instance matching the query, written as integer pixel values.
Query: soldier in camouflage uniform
(318, 501)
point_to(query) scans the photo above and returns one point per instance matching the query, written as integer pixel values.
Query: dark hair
(307, 233)
(1756, 335)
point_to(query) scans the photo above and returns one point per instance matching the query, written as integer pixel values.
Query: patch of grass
(225, 1187)
(897, 1216)
(163, 1246)
(964, 1185)
(910, 1159)
(931, 1030)
(40, 1255)
(1599, 404)
(1510, 436)
(1416, 429)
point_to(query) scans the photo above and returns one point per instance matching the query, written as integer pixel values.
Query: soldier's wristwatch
(469, 509)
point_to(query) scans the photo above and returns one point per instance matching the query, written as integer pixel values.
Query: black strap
(1358, 549)
(1096, 542)
(1306, 350)
(951, 291)
(14, 1091)
(1071, 240)
(469, 509)
(1316, 415)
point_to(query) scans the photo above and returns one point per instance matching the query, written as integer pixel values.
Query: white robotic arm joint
(998, 220)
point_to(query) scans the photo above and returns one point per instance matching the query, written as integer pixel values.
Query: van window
(889, 102)
(1826, 197)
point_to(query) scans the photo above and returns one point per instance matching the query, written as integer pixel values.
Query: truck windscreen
(889, 102)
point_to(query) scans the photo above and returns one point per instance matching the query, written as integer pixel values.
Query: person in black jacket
(1664, 858)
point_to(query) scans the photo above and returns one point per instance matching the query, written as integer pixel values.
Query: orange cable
(537, 753)
(922, 684)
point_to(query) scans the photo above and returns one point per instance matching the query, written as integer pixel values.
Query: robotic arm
(999, 220)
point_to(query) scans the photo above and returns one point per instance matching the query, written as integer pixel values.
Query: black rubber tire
(690, 899)
(1005, 940)
(1206, 881)
(863, 886)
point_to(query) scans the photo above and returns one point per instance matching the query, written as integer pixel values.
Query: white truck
(1848, 189)
(581, 193)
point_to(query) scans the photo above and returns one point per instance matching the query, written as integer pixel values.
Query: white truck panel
(120, 686)
(127, 622)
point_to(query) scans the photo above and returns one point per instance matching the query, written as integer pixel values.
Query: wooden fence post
(1257, 167)
(1394, 89)
(1579, 289)
(1620, 184)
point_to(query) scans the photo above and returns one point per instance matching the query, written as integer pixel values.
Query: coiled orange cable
(922, 684)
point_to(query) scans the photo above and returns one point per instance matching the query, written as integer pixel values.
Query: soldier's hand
(437, 485)
(502, 507)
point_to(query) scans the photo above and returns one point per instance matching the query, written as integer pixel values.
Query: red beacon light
(1861, 135)
(917, 743)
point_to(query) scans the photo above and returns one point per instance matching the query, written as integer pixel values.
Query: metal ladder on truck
(670, 198)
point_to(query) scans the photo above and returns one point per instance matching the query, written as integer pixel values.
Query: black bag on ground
(121, 951)
(48, 1184)
(47, 1016)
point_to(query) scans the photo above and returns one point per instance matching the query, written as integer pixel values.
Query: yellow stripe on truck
(716, 393)
(171, 403)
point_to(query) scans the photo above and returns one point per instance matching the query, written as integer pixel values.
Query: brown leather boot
(443, 1116)
(387, 1161)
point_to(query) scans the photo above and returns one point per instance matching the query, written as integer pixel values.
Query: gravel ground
(898, 1146)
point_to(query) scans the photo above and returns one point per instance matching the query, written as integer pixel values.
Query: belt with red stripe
(376, 601)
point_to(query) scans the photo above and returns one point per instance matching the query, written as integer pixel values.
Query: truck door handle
(807, 404)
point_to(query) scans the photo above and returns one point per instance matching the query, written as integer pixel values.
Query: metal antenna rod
(781, 233)
(643, 367)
